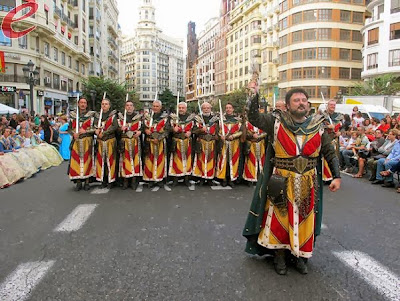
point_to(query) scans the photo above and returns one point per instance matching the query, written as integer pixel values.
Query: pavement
(58, 244)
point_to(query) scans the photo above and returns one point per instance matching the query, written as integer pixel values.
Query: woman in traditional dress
(10, 166)
(65, 138)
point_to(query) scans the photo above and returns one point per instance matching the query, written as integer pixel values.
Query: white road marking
(155, 189)
(22, 281)
(140, 187)
(324, 227)
(100, 191)
(167, 188)
(75, 220)
(378, 276)
(192, 187)
(221, 188)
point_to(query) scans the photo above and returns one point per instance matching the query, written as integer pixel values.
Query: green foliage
(387, 84)
(168, 100)
(237, 98)
(135, 98)
(115, 92)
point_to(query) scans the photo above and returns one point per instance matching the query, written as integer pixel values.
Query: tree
(387, 84)
(98, 85)
(168, 100)
(136, 102)
(237, 98)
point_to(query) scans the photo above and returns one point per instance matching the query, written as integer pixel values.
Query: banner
(2, 62)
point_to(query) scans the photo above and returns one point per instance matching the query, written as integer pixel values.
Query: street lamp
(31, 77)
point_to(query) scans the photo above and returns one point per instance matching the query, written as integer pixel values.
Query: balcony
(113, 69)
(112, 54)
(112, 42)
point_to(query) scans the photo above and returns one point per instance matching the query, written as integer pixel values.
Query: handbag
(277, 190)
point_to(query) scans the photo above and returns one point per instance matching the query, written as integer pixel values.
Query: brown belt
(106, 137)
(296, 164)
(207, 137)
(85, 135)
(181, 136)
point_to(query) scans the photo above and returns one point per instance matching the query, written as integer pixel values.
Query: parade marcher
(181, 149)
(280, 105)
(130, 125)
(155, 145)
(106, 144)
(254, 152)
(206, 131)
(229, 154)
(333, 126)
(286, 209)
(81, 164)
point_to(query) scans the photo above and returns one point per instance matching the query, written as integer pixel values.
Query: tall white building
(381, 52)
(59, 49)
(128, 56)
(105, 39)
(159, 60)
(206, 60)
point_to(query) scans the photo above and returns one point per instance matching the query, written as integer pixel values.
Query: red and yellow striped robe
(181, 160)
(255, 159)
(205, 161)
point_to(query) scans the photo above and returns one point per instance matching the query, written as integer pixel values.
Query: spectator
(386, 163)
(47, 129)
(13, 121)
(362, 146)
(355, 110)
(358, 120)
(65, 139)
(37, 120)
(4, 121)
(348, 151)
(391, 171)
(375, 123)
(344, 140)
(384, 127)
(346, 122)
(393, 124)
(388, 119)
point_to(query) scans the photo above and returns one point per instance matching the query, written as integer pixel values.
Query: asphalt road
(187, 245)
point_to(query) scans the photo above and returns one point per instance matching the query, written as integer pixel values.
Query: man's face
(298, 105)
(156, 107)
(129, 107)
(206, 108)
(280, 105)
(82, 104)
(229, 109)
(4, 120)
(331, 107)
(14, 116)
(105, 105)
(182, 109)
(378, 134)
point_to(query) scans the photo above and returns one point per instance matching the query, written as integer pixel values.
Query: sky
(172, 16)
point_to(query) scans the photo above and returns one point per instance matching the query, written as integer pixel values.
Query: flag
(2, 62)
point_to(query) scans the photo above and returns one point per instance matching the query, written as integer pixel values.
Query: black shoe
(78, 186)
(104, 184)
(125, 185)
(230, 183)
(135, 184)
(280, 263)
(372, 178)
(301, 266)
(249, 184)
(86, 187)
(377, 182)
(224, 183)
(109, 186)
(201, 183)
(175, 182)
(187, 181)
(388, 184)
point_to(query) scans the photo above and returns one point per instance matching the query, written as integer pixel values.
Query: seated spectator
(13, 121)
(343, 140)
(346, 122)
(347, 151)
(384, 127)
(386, 163)
(352, 150)
(375, 123)
(362, 146)
(368, 125)
(394, 124)
(358, 120)
(354, 112)
(391, 171)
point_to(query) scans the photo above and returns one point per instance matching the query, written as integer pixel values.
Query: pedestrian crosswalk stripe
(140, 187)
(100, 191)
(378, 276)
(20, 284)
(76, 219)
(155, 189)
(221, 188)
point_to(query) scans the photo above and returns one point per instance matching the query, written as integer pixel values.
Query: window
(355, 73)
(345, 16)
(324, 72)
(55, 51)
(283, 75)
(358, 17)
(284, 23)
(70, 85)
(326, 91)
(395, 8)
(310, 91)
(310, 53)
(309, 72)
(344, 73)
(309, 35)
(356, 55)
(284, 5)
(357, 36)
(70, 62)
(296, 73)
(344, 54)
(394, 57)
(284, 58)
(296, 18)
(297, 55)
(324, 34)
(83, 68)
(46, 49)
(56, 81)
(47, 17)
(283, 41)
(37, 42)
(309, 15)
(372, 61)
(297, 36)
(63, 58)
(76, 40)
(345, 35)
(77, 65)
(325, 15)
(395, 31)
(324, 53)
(373, 36)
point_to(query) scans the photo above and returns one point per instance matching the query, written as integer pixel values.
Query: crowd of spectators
(371, 146)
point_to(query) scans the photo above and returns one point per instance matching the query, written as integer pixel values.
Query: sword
(326, 107)
(221, 118)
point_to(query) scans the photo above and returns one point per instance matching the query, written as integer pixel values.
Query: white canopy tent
(6, 109)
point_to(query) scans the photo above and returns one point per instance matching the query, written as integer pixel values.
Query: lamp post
(31, 77)
(93, 94)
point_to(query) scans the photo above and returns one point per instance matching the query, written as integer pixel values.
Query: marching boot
(135, 183)
(201, 183)
(104, 184)
(187, 182)
(230, 183)
(175, 182)
(280, 262)
(301, 266)
(86, 187)
(78, 185)
(125, 184)
(224, 183)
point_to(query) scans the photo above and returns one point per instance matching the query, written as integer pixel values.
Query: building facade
(128, 53)
(205, 69)
(381, 52)
(191, 63)
(244, 43)
(59, 49)
(320, 46)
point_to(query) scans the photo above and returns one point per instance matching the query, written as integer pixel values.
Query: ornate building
(191, 61)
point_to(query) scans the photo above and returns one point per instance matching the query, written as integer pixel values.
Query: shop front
(8, 96)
